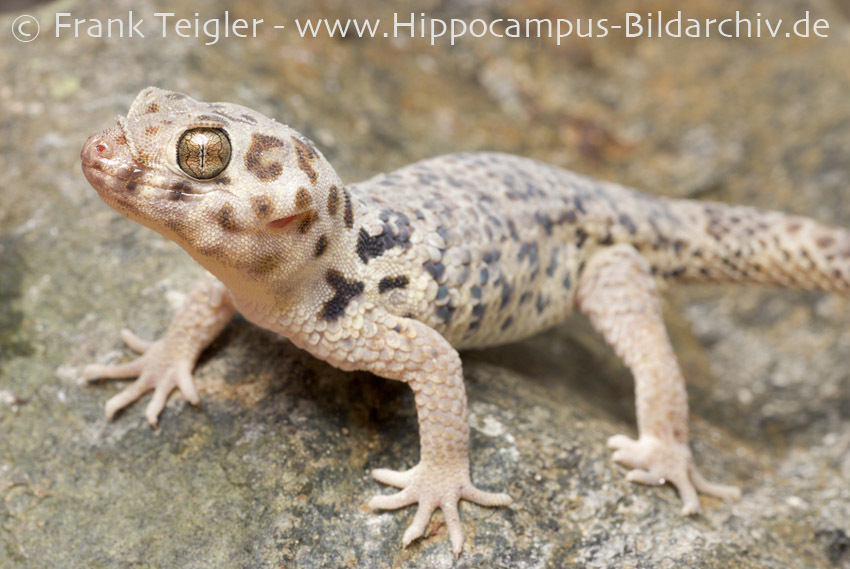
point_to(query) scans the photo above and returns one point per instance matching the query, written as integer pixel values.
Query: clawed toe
(643, 477)
(724, 491)
(420, 521)
(160, 368)
(394, 501)
(654, 462)
(483, 498)
(94, 372)
(135, 343)
(396, 478)
(433, 488)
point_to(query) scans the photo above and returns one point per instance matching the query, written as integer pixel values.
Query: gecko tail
(745, 244)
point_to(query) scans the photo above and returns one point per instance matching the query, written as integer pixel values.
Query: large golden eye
(203, 152)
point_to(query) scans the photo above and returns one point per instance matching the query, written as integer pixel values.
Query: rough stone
(273, 469)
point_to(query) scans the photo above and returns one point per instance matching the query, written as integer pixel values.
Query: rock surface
(273, 470)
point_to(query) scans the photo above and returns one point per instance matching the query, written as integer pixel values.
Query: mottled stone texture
(272, 470)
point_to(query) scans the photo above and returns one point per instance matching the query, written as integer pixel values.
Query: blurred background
(272, 471)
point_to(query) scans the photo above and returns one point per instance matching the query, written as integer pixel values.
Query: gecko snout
(96, 147)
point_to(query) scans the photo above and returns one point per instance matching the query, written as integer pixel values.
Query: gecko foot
(655, 461)
(162, 367)
(433, 488)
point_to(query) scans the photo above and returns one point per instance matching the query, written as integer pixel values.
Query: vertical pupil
(201, 140)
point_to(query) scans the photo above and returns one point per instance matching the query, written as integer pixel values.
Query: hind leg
(619, 295)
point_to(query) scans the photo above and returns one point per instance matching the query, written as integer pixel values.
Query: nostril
(100, 147)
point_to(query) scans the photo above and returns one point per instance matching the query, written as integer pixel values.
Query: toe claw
(433, 487)
(453, 526)
(187, 387)
(161, 367)
(417, 527)
(655, 461)
(125, 397)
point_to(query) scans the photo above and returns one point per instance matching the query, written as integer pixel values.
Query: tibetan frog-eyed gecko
(395, 274)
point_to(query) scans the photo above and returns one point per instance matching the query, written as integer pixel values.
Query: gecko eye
(203, 152)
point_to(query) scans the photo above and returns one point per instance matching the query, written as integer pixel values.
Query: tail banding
(721, 243)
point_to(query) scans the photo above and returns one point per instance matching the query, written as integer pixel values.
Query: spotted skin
(394, 274)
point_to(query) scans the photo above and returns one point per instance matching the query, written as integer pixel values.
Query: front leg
(166, 364)
(618, 293)
(407, 350)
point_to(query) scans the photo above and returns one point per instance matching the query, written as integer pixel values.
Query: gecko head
(242, 193)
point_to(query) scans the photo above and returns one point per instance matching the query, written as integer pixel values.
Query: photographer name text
(438, 31)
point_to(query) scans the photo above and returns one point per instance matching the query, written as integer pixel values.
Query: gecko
(395, 274)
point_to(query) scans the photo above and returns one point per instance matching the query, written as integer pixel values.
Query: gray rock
(273, 469)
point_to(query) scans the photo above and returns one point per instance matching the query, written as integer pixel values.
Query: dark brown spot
(306, 154)
(333, 201)
(344, 291)
(306, 221)
(151, 130)
(541, 304)
(262, 206)
(628, 223)
(264, 265)
(130, 186)
(220, 112)
(371, 246)
(389, 283)
(258, 164)
(793, 226)
(152, 108)
(348, 213)
(303, 199)
(436, 270)
(825, 242)
(445, 313)
(222, 181)
(321, 246)
(226, 217)
(507, 293)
